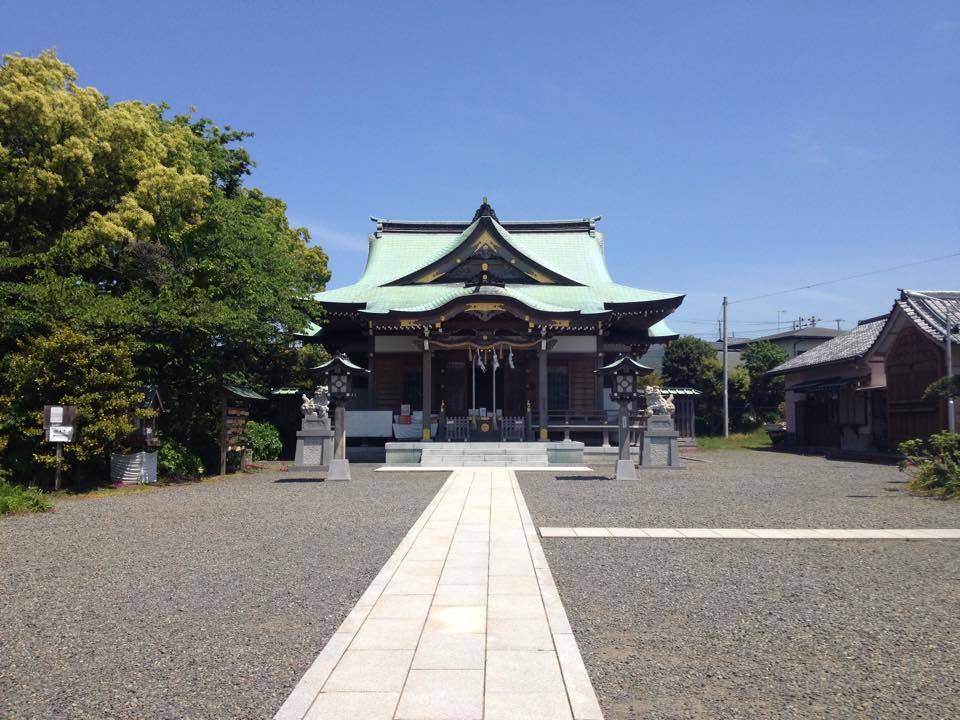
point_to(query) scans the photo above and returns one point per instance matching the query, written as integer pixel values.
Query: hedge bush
(176, 460)
(933, 464)
(264, 440)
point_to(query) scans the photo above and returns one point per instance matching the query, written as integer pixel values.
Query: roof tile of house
(928, 309)
(802, 333)
(843, 347)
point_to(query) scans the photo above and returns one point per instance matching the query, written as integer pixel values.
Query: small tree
(933, 464)
(766, 392)
(945, 387)
(69, 368)
(684, 361)
(692, 362)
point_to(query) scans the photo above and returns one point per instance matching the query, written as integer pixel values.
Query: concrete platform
(469, 454)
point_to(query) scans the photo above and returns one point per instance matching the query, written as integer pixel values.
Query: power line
(714, 322)
(848, 277)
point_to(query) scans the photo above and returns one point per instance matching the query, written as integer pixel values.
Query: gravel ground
(736, 489)
(199, 601)
(723, 629)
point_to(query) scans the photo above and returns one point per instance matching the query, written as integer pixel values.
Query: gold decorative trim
(484, 307)
(486, 240)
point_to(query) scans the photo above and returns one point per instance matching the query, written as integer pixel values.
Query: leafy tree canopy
(945, 387)
(684, 361)
(766, 392)
(69, 368)
(692, 362)
(135, 229)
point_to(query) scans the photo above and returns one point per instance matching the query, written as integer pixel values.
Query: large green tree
(73, 369)
(692, 362)
(135, 228)
(766, 392)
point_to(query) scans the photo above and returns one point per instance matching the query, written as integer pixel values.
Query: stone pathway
(754, 533)
(464, 622)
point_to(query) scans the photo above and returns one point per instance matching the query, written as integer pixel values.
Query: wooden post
(56, 478)
(542, 390)
(372, 377)
(224, 436)
(528, 424)
(427, 390)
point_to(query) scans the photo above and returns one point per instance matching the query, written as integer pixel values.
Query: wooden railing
(604, 422)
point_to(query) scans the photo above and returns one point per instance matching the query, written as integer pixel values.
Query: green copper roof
(574, 255)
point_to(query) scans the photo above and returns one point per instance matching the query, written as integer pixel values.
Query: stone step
(481, 460)
(486, 453)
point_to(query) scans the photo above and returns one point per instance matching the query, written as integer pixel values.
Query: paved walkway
(463, 622)
(755, 533)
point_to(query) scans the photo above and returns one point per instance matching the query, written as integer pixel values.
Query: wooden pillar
(542, 390)
(427, 389)
(224, 435)
(372, 377)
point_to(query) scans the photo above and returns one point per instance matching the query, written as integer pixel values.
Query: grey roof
(802, 333)
(843, 347)
(242, 392)
(340, 359)
(151, 395)
(929, 313)
(633, 364)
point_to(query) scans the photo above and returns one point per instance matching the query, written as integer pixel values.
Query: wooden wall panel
(583, 385)
(912, 364)
(389, 378)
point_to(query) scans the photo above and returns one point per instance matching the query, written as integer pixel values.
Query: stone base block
(314, 446)
(626, 470)
(339, 470)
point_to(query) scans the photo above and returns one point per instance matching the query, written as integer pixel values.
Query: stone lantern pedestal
(314, 442)
(659, 444)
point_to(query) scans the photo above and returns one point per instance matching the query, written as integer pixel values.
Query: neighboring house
(911, 349)
(834, 398)
(864, 390)
(733, 356)
(792, 342)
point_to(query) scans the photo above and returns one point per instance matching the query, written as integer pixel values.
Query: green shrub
(933, 464)
(176, 460)
(18, 499)
(264, 441)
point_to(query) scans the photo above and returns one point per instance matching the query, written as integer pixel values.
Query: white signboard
(56, 415)
(60, 433)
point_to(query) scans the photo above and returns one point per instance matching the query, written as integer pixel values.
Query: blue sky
(732, 148)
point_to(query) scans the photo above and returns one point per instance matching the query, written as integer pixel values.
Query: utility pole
(726, 389)
(948, 350)
(837, 321)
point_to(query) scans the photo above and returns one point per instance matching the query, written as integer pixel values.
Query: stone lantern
(338, 373)
(625, 372)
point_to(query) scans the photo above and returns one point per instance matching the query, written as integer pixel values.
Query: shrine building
(486, 325)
